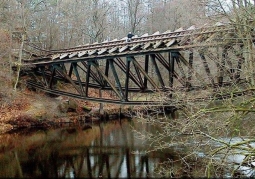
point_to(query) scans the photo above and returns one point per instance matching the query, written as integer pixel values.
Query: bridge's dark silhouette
(137, 72)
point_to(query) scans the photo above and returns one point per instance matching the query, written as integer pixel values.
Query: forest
(58, 24)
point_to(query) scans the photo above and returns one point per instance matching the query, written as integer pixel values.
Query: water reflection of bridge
(110, 162)
(108, 151)
(189, 59)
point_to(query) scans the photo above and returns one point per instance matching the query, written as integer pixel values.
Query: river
(109, 150)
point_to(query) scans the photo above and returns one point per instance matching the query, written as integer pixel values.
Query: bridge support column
(52, 77)
(128, 60)
(116, 77)
(78, 78)
(87, 79)
(171, 71)
(70, 70)
(42, 69)
(146, 68)
(221, 66)
(161, 81)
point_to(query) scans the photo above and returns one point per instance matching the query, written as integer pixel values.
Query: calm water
(108, 150)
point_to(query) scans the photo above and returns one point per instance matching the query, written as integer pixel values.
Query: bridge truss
(123, 72)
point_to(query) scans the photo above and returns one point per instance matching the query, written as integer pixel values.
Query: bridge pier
(171, 72)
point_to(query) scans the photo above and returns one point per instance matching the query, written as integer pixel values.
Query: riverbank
(28, 109)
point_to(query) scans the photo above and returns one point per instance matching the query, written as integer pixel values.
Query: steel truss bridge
(138, 72)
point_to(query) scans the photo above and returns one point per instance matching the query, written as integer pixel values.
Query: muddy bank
(28, 110)
(73, 118)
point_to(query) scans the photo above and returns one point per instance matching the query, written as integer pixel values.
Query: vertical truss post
(183, 77)
(70, 70)
(62, 73)
(171, 56)
(117, 80)
(106, 71)
(87, 78)
(93, 75)
(128, 60)
(101, 73)
(171, 70)
(139, 76)
(188, 83)
(221, 66)
(52, 76)
(44, 76)
(78, 77)
(157, 70)
(100, 77)
(146, 67)
(137, 65)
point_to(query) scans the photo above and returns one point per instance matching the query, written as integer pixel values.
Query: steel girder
(125, 77)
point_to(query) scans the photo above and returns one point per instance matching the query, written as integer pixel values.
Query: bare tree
(133, 14)
(240, 14)
(174, 14)
(215, 133)
(97, 22)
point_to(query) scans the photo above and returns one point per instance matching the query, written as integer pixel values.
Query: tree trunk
(19, 60)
